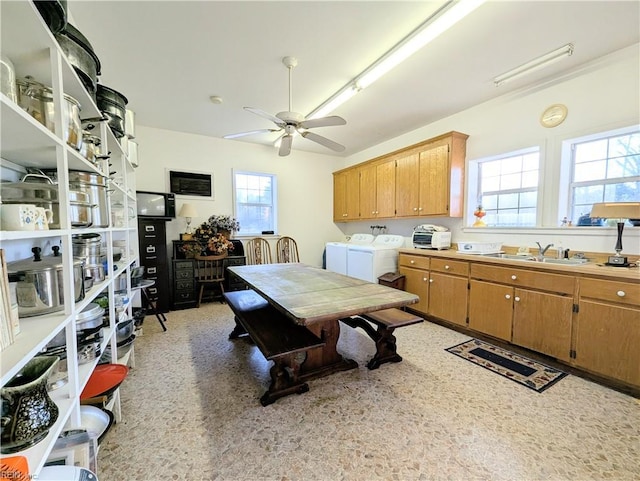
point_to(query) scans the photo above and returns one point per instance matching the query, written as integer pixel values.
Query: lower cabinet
(416, 272)
(184, 284)
(581, 319)
(608, 329)
(448, 287)
(531, 309)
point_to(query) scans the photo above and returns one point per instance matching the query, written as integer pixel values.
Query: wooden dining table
(318, 299)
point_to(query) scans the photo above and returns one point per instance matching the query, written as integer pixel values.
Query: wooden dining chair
(210, 273)
(258, 251)
(287, 250)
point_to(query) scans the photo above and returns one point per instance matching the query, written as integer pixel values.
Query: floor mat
(529, 373)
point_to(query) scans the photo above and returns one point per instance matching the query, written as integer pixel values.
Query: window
(255, 196)
(605, 168)
(508, 188)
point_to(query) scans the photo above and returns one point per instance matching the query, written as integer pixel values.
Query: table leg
(325, 360)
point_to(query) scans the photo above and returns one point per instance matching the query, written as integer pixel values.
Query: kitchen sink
(548, 260)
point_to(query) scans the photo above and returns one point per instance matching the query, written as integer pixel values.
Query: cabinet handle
(507, 296)
(344, 215)
(621, 293)
(517, 299)
(419, 208)
(415, 209)
(514, 277)
(430, 280)
(447, 267)
(151, 270)
(424, 279)
(412, 262)
(373, 212)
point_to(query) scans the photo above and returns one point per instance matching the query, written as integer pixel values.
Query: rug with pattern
(529, 373)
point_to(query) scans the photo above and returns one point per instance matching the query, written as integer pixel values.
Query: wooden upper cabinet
(425, 179)
(407, 185)
(346, 195)
(377, 190)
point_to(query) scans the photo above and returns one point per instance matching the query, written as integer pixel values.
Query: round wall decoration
(553, 115)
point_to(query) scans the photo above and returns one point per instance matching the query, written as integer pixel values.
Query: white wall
(600, 96)
(305, 183)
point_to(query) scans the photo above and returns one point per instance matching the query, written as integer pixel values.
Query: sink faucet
(542, 251)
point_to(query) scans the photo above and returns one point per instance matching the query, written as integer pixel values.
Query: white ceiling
(169, 57)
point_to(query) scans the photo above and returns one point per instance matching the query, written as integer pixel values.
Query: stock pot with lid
(40, 282)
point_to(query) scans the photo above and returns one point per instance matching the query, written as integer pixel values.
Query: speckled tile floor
(191, 412)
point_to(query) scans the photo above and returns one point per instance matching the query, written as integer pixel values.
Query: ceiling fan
(292, 123)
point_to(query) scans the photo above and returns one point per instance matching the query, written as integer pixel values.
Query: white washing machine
(336, 252)
(370, 261)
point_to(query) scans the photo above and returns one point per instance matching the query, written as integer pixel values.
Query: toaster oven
(428, 237)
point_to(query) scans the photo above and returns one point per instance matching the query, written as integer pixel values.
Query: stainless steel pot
(124, 330)
(40, 282)
(96, 186)
(90, 149)
(90, 317)
(37, 99)
(96, 271)
(87, 246)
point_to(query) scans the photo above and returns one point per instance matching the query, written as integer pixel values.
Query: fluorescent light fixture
(535, 64)
(334, 102)
(445, 18)
(433, 27)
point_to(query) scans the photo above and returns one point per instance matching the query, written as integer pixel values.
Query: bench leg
(238, 330)
(284, 378)
(386, 349)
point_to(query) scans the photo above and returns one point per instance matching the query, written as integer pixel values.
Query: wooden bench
(386, 321)
(279, 339)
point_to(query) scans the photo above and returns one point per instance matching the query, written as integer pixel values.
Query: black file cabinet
(153, 256)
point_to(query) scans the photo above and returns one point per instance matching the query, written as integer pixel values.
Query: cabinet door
(385, 190)
(491, 309)
(417, 282)
(607, 340)
(346, 195)
(407, 189)
(434, 181)
(368, 192)
(448, 298)
(339, 197)
(542, 322)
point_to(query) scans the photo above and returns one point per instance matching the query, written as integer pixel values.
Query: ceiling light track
(442, 20)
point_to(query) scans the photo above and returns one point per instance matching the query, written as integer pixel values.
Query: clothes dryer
(370, 261)
(336, 252)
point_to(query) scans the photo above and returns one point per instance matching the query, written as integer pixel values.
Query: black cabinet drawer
(183, 265)
(185, 296)
(185, 284)
(154, 253)
(183, 274)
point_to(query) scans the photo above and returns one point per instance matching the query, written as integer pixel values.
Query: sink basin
(568, 262)
(548, 260)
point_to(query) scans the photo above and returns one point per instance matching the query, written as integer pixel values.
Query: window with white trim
(604, 168)
(255, 200)
(507, 188)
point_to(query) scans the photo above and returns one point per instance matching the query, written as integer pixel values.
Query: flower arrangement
(219, 244)
(192, 249)
(204, 232)
(223, 223)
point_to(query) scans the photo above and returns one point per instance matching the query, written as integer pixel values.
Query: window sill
(574, 230)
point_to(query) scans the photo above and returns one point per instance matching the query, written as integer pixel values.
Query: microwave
(155, 205)
(431, 239)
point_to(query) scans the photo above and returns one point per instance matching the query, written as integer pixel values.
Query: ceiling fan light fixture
(535, 64)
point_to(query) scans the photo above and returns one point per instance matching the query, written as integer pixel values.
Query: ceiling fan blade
(285, 145)
(323, 141)
(251, 132)
(322, 122)
(266, 115)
